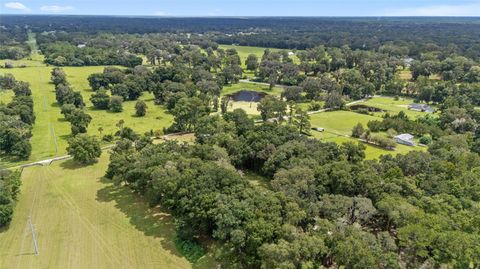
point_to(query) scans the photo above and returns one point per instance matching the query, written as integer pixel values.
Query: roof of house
(405, 137)
(422, 107)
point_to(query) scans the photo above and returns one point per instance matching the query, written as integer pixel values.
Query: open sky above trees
(245, 7)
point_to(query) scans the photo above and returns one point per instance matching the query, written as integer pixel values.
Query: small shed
(404, 139)
(421, 108)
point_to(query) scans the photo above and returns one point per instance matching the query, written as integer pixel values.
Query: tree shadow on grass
(4, 228)
(151, 221)
(72, 165)
(65, 136)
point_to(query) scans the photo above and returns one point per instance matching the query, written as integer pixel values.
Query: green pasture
(51, 131)
(338, 128)
(82, 220)
(340, 122)
(392, 106)
(251, 86)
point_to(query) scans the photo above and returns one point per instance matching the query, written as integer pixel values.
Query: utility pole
(33, 235)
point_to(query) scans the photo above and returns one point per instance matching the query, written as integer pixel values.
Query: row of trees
(71, 102)
(13, 53)
(16, 119)
(9, 189)
(65, 54)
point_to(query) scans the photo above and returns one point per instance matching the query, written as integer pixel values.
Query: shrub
(140, 108)
(108, 138)
(358, 130)
(383, 142)
(116, 103)
(391, 133)
(314, 106)
(426, 139)
(190, 249)
(9, 65)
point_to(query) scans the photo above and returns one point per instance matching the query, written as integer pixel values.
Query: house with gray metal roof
(404, 139)
(421, 108)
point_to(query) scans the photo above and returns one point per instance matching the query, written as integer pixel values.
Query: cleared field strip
(84, 221)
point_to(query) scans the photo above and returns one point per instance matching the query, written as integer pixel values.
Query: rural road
(46, 162)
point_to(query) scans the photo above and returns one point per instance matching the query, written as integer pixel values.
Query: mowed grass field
(84, 221)
(392, 106)
(51, 131)
(338, 128)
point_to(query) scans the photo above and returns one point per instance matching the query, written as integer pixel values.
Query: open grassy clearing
(249, 107)
(392, 106)
(30, 61)
(339, 122)
(338, 127)
(251, 86)
(84, 221)
(51, 131)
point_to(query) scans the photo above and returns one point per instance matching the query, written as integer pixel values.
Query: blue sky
(245, 7)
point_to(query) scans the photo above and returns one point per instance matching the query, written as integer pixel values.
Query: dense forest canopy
(288, 32)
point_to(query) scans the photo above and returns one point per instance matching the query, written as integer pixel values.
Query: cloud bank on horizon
(247, 7)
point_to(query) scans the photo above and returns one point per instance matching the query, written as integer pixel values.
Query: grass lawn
(339, 122)
(50, 125)
(393, 106)
(338, 126)
(259, 87)
(84, 221)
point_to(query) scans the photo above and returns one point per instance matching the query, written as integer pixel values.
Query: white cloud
(55, 8)
(16, 6)
(160, 13)
(471, 9)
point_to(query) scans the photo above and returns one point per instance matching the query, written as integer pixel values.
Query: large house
(421, 108)
(404, 139)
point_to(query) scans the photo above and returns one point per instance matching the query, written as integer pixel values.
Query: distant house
(408, 62)
(404, 139)
(290, 53)
(421, 108)
(318, 129)
(81, 46)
